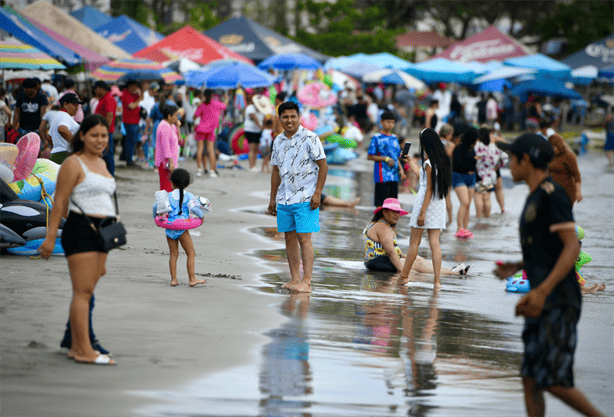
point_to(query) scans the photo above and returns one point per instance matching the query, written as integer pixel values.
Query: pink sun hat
(392, 204)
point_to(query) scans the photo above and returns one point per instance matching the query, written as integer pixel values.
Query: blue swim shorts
(458, 180)
(298, 217)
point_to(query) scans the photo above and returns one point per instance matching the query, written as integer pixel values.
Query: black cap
(70, 98)
(532, 144)
(101, 84)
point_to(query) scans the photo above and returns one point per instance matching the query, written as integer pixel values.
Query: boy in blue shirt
(385, 151)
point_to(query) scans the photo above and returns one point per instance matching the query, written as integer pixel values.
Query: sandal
(100, 360)
(467, 270)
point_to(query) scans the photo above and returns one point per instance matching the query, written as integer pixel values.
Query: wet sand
(357, 345)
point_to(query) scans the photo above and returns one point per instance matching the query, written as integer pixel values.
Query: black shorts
(79, 237)
(253, 137)
(384, 190)
(381, 264)
(322, 198)
(498, 171)
(549, 345)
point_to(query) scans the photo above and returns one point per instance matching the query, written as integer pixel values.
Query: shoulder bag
(111, 232)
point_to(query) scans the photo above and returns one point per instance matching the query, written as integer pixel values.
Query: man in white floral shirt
(299, 174)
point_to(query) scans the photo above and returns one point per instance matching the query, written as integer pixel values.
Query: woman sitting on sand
(382, 252)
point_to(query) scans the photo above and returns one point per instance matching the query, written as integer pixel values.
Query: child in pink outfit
(209, 113)
(167, 146)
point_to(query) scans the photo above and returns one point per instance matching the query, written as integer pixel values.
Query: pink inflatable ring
(177, 224)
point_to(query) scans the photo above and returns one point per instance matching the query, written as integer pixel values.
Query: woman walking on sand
(430, 207)
(463, 179)
(209, 114)
(167, 146)
(84, 188)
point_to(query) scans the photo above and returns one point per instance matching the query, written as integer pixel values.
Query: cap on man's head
(101, 84)
(70, 98)
(532, 123)
(532, 144)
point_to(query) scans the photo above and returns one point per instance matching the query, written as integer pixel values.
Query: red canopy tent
(191, 44)
(490, 44)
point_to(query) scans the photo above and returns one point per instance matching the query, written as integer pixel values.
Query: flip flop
(467, 270)
(100, 360)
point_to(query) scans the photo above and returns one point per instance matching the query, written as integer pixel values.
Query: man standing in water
(552, 307)
(299, 174)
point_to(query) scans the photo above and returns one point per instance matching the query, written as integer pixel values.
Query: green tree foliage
(341, 28)
(201, 15)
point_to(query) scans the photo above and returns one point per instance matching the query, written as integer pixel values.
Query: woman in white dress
(430, 207)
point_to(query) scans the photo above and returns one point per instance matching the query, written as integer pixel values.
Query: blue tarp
(598, 54)
(257, 42)
(442, 70)
(545, 87)
(544, 65)
(91, 17)
(129, 34)
(12, 23)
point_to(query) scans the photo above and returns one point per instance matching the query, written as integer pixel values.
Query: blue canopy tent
(606, 72)
(383, 60)
(129, 34)
(229, 76)
(442, 70)
(544, 65)
(257, 42)
(338, 63)
(493, 85)
(12, 23)
(598, 54)
(545, 87)
(358, 70)
(91, 17)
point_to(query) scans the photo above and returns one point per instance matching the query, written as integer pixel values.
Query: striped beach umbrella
(17, 55)
(123, 67)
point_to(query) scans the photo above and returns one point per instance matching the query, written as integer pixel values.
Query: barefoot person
(382, 253)
(552, 307)
(85, 180)
(299, 174)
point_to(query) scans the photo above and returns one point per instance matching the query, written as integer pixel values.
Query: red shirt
(130, 116)
(106, 105)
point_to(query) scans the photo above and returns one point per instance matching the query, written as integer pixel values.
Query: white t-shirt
(550, 132)
(266, 138)
(249, 124)
(51, 91)
(61, 118)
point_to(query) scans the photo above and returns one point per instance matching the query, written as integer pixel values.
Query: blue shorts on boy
(298, 217)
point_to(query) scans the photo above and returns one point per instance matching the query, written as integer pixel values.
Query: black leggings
(381, 264)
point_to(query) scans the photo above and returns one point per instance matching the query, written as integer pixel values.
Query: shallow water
(362, 345)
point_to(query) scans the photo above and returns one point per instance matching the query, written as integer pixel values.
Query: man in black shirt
(552, 307)
(30, 108)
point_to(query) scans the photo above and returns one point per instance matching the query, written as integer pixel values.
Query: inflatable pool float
(340, 156)
(38, 233)
(178, 224)
(343, 142)
(238, 142)
(6, 192)
(40, 183)
(9, 239)
(8, 153)
(317, 94)
(31, 248)
(6, 172)
(23, 215)
(309, 122)
(330, 147)
(518, 283)
(29, 147)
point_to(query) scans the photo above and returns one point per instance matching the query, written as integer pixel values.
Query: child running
(180, 202)
(430, 207)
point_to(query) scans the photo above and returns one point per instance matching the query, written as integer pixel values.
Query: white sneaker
(224, 157)
(459, 269)
(254, 169)
(199, 172)
(213, 174)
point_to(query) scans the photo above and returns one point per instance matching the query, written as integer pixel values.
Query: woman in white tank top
(85, 180)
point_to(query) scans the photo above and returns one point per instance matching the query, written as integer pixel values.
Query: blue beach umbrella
(442, 70)
(358, 70)
(229, 76)
(289, 62)
(545, 87)
(606, 72)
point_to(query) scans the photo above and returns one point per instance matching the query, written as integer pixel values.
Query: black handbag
(111, 232)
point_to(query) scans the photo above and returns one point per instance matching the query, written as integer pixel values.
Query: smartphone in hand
(406, 150)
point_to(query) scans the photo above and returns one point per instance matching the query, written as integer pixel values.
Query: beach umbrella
(114, 70)
(494, 85)
(358, 70)
(182, 65)
(229, 76)
(222, 62)
(289, 62)
(339, 63)
(383, 60)
(340, 79)
(390, 76)
(18, 55)
(542, 64)
(607, 72)
(584, 75)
